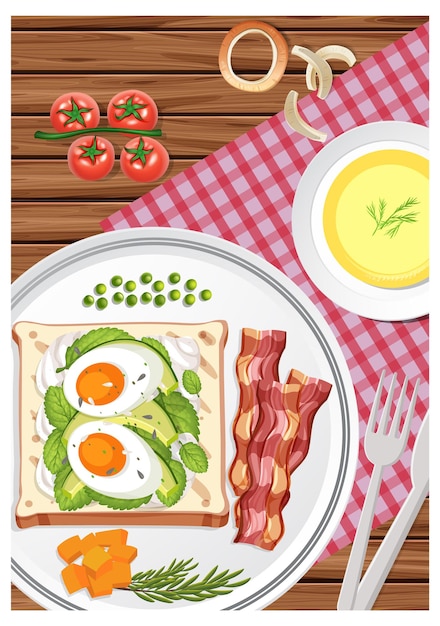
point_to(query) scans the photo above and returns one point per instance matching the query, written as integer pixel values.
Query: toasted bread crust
(205, 504)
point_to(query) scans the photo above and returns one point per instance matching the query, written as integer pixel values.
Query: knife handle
(385, 556)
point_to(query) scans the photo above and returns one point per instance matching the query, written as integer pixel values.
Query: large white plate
(247, 291)
(307, 228)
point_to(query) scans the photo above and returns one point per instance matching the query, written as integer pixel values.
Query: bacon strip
(313, 394)
(258, 360)
(269, 450)
(272, 431)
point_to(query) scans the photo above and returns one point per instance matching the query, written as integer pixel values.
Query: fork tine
(386, 410)
(373, 412)
(409, 415)
(394, 428)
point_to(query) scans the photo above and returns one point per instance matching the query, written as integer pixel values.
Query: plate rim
(406, 303)
(57, 263)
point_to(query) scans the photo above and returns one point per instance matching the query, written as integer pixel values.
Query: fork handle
(347, 595)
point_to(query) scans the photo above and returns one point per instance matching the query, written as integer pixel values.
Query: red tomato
(91, 157)
(74, 111)
(132, 109)
(144, 159)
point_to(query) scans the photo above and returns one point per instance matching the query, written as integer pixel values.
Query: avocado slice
(76, 421)
(72, 485)
(168, 483)
(169, 380)
(148, 416)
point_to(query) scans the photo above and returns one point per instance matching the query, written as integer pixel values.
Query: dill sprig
(175, 583)
(401, 215)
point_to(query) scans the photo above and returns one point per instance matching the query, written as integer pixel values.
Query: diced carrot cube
(88, 542)
(120, 574)
(74, 577)
(101, 586)
(126, 554)
(70, 549)
(109, 537)
(97, 562)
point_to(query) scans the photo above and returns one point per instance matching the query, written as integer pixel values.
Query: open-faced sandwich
(121, 424)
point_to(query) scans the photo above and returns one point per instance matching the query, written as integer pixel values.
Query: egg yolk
(102, 454)
(100, 383)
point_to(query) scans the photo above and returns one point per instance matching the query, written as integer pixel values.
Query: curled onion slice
(320, 66)
(340, 53)
(296, 122)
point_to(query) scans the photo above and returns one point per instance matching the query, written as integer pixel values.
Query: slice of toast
(205, 504)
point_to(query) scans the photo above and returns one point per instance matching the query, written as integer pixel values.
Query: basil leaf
(194, 457)
(58, 410)
(180, 411)
(120, 504)
(191, 382)
(158, 347)
(91, 340)
(66, 503)
(54, 452)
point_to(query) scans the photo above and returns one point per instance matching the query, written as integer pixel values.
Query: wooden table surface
(175, 60)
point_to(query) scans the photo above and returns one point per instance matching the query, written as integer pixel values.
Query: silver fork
(382, 449)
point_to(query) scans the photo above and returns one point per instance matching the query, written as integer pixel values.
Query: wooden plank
(171, 51)
(173, 93)
(20, 602)
(24, 256)
(58, 221)
(101, 22)
(324, 596)
(412, 563)
(44, 180)
(183, 136)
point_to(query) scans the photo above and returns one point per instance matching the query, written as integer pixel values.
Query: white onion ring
(296, 122)
(321, 68)
(340, 53)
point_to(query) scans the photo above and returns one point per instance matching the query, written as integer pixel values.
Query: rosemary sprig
(175, 583)
(401, 215)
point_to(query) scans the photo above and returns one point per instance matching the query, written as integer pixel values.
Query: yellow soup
(376, 218)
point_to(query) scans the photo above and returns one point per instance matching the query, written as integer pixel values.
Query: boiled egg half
(113, 460)
(113, 378)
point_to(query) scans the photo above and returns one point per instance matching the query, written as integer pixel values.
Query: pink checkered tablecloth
(244, 193)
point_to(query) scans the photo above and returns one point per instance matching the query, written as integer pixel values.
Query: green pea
(130, 285)
(101, 303)
(100, 289)
(88, 300)
(189, 299)
(146, 297)
(206, 294)
(191, 284)
(118, 297)
(158, 285)
(174, 278)
(174, 294)
(146, 278)
(159, 300)
(116, 281)
(131, 300)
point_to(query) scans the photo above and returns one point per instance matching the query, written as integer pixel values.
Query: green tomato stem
(39, 134)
